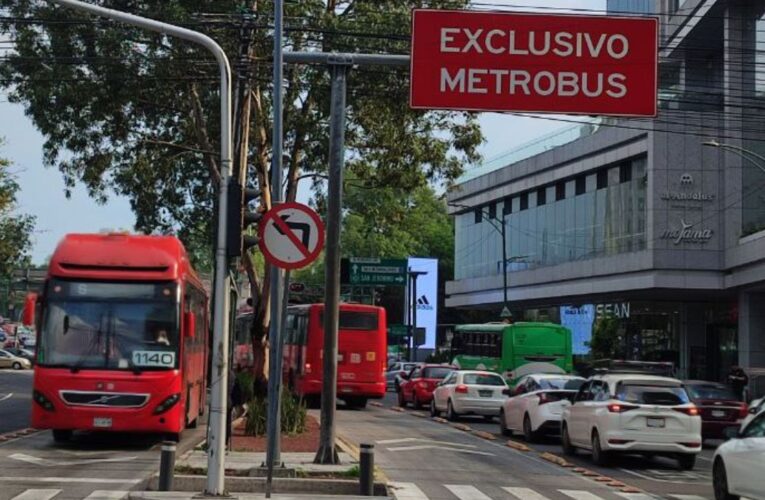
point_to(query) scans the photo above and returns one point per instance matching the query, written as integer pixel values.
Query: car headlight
(168, 403)
(41, 400)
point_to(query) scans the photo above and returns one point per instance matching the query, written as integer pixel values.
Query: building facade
(657, 224)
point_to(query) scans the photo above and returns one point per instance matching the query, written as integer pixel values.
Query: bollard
(367, 470)
(167, 466)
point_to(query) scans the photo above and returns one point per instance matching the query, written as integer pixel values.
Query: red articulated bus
(122, 337)
(362, 352)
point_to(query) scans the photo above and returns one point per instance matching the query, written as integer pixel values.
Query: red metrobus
(123, 337)
(362, 352)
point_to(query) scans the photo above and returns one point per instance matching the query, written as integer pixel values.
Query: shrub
(293, 415)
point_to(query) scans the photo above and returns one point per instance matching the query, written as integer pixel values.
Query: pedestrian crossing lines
(51, 494)
(411, 491)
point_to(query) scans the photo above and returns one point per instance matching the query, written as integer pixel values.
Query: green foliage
(293, 415)
(136, 113)
(246, 380)
(606, 340)
(15, 228)
(353, 472)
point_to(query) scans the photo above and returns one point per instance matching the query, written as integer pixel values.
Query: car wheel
(599, 457)
(401, 401)
(720, 482)
(16, 365)
(568, 448)
(503, 424)
(529, 435)
(433, 411)
(450, 413)
(61, 436)
(686, 461)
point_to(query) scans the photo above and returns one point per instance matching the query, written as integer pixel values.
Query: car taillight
(41, 400)
(620, 408)
(688, 410)
(462, 389)
(308, 367)
(168, 403)
(743, 410)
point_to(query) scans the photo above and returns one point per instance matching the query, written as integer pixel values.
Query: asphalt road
(658, 478)
(15, 399)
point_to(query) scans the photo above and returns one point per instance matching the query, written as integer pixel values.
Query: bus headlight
(41, 400)
(168, 403)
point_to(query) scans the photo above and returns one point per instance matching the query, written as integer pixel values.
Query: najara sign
(502, 61)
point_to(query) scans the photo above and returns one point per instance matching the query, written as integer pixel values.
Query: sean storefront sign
(502, 61)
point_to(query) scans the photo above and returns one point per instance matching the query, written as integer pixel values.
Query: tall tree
(136, 112)
(15, 228)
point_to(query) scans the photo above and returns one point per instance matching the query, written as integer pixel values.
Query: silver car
(393, 375)
(8, 360)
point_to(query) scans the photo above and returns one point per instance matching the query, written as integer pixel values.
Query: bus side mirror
(189, 325)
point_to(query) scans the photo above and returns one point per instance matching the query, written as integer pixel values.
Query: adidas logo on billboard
(423, 304)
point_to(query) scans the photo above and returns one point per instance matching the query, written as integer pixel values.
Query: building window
(581, 185)
(507, 207)
(524, 201)
(492, 210)
(560, 191)
(541, 196)
(478, 215)
(602, 181)
(625, 172)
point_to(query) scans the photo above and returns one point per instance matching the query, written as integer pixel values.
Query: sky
(42, 189)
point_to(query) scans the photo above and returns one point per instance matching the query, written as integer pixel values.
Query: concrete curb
(280, 485)
(485, 435)
(9, 436)
(419, 414)
(517, 446)
(550, 457)
(347, 446)
(462, 427)
(439, 420)
(397, 408)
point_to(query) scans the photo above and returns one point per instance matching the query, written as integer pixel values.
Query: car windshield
(710, 392)
(438, 372)
(110, 326)
(652, 395)
(561, 384)
(482, 379)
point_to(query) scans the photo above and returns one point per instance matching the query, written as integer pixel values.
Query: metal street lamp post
(742, 152)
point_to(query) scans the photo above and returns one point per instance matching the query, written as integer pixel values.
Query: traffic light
(240, 218)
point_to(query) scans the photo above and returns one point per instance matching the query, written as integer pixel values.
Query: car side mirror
(731, 433)
(190, 325)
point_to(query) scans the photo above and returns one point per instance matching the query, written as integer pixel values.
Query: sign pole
(327, 454)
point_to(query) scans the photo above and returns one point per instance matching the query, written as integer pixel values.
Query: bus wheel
(61, 435)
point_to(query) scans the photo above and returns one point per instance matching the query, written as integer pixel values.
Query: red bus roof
(121, 256)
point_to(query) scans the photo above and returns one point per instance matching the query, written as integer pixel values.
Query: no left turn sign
(291, 235)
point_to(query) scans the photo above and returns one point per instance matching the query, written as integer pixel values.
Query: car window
(532, 385)
(561, 384)
(437, 372)
(416, 373)
(652, 394)
(599, 392)
(710, 392)
(450, 379)
(482, 379)
(396, 366)
(584, 392)
(756, 428)
(3, 354)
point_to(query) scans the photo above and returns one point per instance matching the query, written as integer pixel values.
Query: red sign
(291, 235)
(538, 63)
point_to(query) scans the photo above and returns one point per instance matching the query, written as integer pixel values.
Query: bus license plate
(655, 422)
(102, 423)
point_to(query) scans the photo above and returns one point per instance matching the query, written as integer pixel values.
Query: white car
(469, 392)
(739, 464)
(755, 407)
(537, 404)
(632, 413)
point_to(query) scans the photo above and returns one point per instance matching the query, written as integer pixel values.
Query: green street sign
(373, 271)
(398, 330)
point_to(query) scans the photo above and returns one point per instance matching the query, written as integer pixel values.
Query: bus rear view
(122, 338)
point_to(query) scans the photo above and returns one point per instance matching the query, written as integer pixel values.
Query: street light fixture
(742, 152)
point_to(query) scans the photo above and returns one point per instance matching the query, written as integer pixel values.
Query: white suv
(634, 414)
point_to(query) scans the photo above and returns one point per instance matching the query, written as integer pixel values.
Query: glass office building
(630, 6)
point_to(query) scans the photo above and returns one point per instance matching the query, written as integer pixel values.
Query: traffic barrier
(517, 446)
(397, 408)
(462, 427)
(367, 470)
(555, 459)
(377, 404)
(420, 414)
(630, 489)
(485, 435)
(440, 420)
(616, 484)
(167, 466)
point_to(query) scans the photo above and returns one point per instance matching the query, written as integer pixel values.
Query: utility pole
(219, 389)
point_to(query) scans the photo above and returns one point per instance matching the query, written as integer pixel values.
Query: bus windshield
(110, 326)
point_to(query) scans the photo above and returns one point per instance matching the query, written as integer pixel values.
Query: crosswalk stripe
(580, 495)
(408, 491)
(37, 495)
(525, 493)
(466, 492)
(107, 495)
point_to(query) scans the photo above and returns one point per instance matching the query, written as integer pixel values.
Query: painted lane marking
(37, 495)
(448, 448)
(580, 495)
(691, 497)
(412, 440)
(466, 492)
(636, 496)
(525, 493)
(7, 396)
(695, 479)
(107, 495)
(45, 462)
(408, 491)
(88, 480)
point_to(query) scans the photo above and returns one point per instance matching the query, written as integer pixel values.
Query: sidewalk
(241, 461)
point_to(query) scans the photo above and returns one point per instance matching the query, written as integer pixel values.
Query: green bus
(505, 348)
